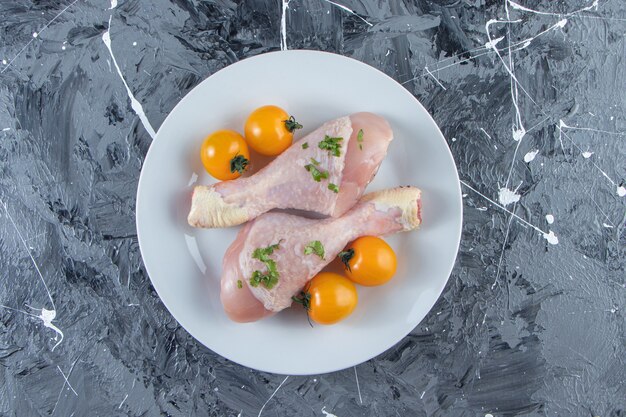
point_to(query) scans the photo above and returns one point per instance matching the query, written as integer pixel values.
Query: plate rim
(457, 189)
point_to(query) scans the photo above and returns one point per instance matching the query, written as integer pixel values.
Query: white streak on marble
(326, 413)
(19, 235)
(67, 381)
(63, 386)
(123, 401)
(6, 129)
(604, 174)
(283, 25)
(358, 387)
(530, 156)
(434, 78)
(35, 35)
(134, 103)
(113, 4)
(544, 234)
(485, 132)
(563, 125)
(608, 226)
(272, 396)
(352, 12)
(506, 238)
(506, 196)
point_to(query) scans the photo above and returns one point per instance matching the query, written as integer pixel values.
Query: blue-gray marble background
(530, 96)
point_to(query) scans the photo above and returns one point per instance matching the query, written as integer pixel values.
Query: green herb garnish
(305, 145)
(317, 174)
(239, 164)
(345, 257)
(315, 247)
(239, 284)
(291, 124)
(332, 145)
(270, 277)
(359, 138)
(333, 187)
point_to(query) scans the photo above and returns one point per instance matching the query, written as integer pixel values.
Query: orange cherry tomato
(269, 130)
(225, 154)
(329, 298)
(369, 261)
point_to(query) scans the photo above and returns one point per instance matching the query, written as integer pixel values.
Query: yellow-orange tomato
(269, 130)
(331, 298)
(225, 154)
(371, 261)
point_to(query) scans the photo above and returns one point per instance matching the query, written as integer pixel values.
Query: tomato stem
(239, 163)
(345, 257)
(291, 124)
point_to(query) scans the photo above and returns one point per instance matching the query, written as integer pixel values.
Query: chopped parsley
(270, 277)
(315, 247)
(333, 187)
(316, 173)
(305, 145)
(332, 145)
(239, 284)
(345, 257)
(239, 164)
(291, 124)
(359, 138)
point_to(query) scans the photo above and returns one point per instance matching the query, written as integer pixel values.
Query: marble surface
(530, 96)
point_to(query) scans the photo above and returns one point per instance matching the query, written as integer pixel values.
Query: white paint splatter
(506, 196)
(488, 415)
(587, 154)
(608, 226)
(551, 238)
(113, 4)
(621, 191)
(517, 6)
(136, 105)
(46, 317)
(530, 156)
(35, 34)
(6, 129)
(492, 43)
(549, 218)
(283, 25)
(63, 48)
(326, 413)
(508, 211)
(4, 62)
(134, 43)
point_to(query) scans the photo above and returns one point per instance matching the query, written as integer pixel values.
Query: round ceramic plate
(184, 263)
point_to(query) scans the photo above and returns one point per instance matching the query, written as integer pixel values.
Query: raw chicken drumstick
(246, 269)
(327, 181)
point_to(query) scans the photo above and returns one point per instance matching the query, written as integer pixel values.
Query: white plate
(184, 264)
